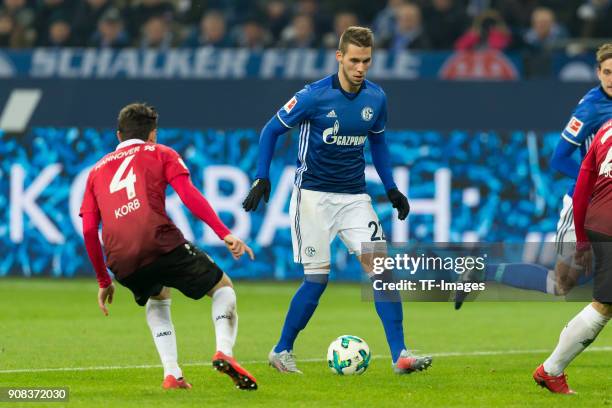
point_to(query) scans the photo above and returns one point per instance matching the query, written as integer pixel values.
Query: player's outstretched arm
(582, 194)
(91, 221)
(237, 247)
(399, 202)
(105, 294)
(261, 188)
(198, 205)
(382, 162)
(562, 159)
(267, 142)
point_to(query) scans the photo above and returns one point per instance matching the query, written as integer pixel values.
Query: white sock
(575, 337)
(551, 282)
(225, 318)
(160, 323)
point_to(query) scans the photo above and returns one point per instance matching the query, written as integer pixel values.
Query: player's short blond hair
(359, 36)
(604, 53)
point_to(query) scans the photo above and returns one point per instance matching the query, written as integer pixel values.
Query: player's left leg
(195, 274)
(159, 320)
(358, 223)
(225, 319)
(150, 291)
(224, 315)
(577, 335)
(302, 307)
(310, 237)
(582, 330)
(558, 281)
(517, 275)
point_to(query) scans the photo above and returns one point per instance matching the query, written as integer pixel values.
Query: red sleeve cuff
(223, 232)
(583, 246)
(104, 282)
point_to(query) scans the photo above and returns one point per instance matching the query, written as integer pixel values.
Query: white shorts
(317, 217)
(566, 233)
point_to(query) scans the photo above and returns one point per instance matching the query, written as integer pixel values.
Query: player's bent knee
(604, 308)
(564, 287)
(607, 308)
(316, 268)
(370, 261)
(224, 282)
(163, 295)
(317, 271)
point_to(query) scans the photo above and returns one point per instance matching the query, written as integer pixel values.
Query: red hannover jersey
(595, 183)
(128, 189)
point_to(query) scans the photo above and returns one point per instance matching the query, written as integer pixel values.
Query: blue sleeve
(267, 141)
(381, 120)
(382, 159)
(580, 126)
(296, 109)
(562, 159)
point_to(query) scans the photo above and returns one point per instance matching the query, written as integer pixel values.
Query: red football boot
(556, 384)
(241, 377)
(171, 382)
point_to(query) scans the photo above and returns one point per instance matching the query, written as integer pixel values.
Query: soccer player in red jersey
(146, 252)
(592, 202)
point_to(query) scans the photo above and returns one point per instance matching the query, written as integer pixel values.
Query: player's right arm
(581, 197)
(562, 159)
(290, 115)
(381, 158)
(572, 137)
(90, 213)
(177, 175)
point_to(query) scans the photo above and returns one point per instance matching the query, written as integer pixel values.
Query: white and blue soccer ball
(348, 355)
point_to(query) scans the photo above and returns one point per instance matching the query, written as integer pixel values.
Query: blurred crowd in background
(257, 24)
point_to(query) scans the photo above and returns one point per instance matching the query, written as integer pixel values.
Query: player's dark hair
(136, 121)
(359, 36)
(604, 53)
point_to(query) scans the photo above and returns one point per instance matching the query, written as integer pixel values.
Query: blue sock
(389, 308)
(301, 308)
(519, 275)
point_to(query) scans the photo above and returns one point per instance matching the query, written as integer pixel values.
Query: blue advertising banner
(575, 68)
(216, 63)
(462, 186)
(223, 104)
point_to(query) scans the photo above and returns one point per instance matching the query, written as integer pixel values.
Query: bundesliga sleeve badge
(574, 126)
(290, 105)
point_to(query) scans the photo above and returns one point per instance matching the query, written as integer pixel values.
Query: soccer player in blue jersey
(336, 116)
(593, 110)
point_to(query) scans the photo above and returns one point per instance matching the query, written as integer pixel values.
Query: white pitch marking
(305, 360)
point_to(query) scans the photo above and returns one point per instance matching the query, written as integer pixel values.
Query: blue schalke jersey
(593, 110)
(334, 126)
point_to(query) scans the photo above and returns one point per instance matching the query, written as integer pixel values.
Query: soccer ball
(348, 355)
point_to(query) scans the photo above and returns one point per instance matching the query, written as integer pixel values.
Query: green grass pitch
(483, 355)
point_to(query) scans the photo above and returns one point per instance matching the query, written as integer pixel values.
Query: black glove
(400, 202)
(261, 187)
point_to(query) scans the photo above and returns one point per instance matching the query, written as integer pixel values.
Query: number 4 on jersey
(119, 182)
